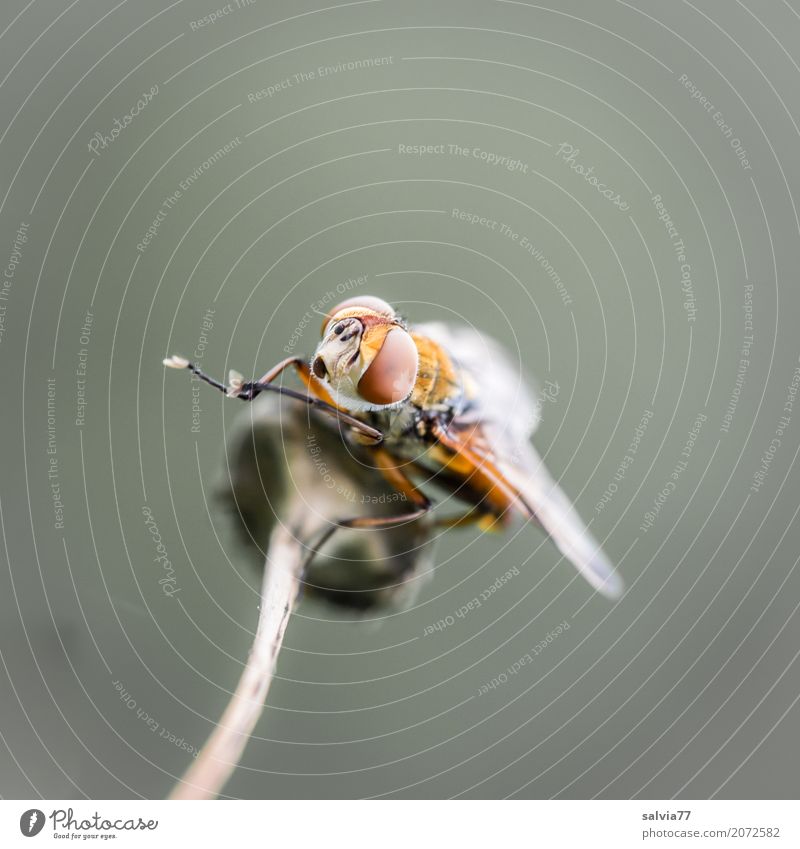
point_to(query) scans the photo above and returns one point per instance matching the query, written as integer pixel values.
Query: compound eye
(391, 375)
(367, 301)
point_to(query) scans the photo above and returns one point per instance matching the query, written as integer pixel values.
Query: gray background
(688, 686)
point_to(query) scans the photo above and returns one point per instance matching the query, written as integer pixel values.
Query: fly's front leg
(247, 390)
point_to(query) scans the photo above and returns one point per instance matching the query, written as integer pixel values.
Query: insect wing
(500, 392)
(554, 510)
(503, 415)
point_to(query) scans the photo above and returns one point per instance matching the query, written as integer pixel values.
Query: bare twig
(220, 755)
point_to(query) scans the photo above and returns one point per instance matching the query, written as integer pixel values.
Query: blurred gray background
(688, 686)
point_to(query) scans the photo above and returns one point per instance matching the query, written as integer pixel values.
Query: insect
(434, 406)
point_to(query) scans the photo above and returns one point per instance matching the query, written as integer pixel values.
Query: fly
(433, 404)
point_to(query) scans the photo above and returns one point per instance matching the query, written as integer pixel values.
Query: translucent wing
(502, 394)
(507, 415)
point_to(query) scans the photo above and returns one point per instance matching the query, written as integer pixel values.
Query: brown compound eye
(369, 302)
(391, 375)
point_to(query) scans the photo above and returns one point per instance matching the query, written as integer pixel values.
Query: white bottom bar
(403, 824)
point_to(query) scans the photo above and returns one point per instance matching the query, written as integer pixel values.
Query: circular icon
(31, 822)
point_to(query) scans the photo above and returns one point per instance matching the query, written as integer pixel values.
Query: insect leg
(402, 483)
(365, 523)
(484, 520)
(182, 362)
(487, 475)
(281, 366)
(304, 373)
(246, 391)
(387, 466)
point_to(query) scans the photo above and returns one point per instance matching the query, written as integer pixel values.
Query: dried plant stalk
(220, 755)
(277, 457)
